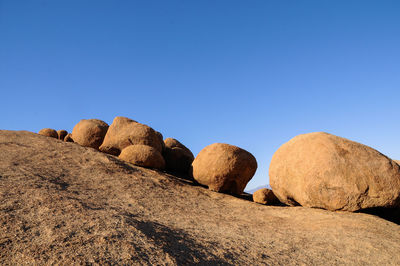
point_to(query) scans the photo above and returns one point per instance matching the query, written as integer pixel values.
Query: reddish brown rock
(325, 171)
(89, 132)
(68, 138)
(178, 158)
(143, 155)
(48, 132)
(61, 134)
(124, 132)
(265, 196)
(224, 168)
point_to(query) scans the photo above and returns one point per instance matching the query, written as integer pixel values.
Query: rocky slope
(63, 203)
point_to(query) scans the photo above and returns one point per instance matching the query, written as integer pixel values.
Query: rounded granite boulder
(265, 196)
(48, 132)
(61, 134)
(143, 155)
(224, 168)
(90, 132)
(326, 171)
(178, 157)
(124, 132)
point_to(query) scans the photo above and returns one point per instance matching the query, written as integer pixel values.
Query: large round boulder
(265, 196)
(178, 158)
(48, 132)
(124, 132)
(61, 134)
(325, 171)
(143, 155)
(89, 132)
(224, 168)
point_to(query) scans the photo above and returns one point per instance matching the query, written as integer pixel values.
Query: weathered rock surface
(178, 157)
(124, 132)
(224, 168)
(265, 196)
(90, 132)
(61, 203)
(326, 171)
(48, 132)
(143, 155)
(68, 138)
(61, 134)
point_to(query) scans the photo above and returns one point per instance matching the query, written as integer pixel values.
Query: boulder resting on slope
(224, 168)
(326, 171)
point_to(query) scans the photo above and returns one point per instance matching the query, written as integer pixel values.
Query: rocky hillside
(63, 203)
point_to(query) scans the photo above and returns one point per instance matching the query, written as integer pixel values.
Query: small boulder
(224, 168)
(265, 196)
(68, 138)
(325, 171)
(90, 132)
(61, 134)
(178, 158)
(48, 132)
(124, 132)
(143, 155)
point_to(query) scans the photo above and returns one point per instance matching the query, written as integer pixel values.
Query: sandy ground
(64, 204)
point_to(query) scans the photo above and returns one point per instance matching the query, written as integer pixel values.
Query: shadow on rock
(177, 244)
(392, 215)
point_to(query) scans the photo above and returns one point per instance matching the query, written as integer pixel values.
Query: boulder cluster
(316, 170)
(221, 167)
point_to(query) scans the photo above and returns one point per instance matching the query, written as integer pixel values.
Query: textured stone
(178, 157)
(61, 134)
(124, 132)
(89, 132)
(326, 171)
(143, 155)
(68, 138)
(224, 168)
(265, 196)
(48, 132)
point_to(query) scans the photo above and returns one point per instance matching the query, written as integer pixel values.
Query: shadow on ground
(392, 215)
(177, 244)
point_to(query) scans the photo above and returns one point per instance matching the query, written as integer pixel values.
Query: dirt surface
(65, 204)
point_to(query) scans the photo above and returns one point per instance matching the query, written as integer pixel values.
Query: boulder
(124, 132)
(161, 139)
(178, 158)
(61, 134)
(68, 138)
(48, 132)
(143, 155)
(224, 168)
(90, 132)
(325, 171)
(265, 196)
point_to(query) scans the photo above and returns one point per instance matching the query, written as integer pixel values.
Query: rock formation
(178, 158)
(90, 132)
(61, 134)
(124, 132)
(224, 168)
(92, 208)
(68, 138)
(325, 171)
(265, 196)
(48, 132)
(143, 155)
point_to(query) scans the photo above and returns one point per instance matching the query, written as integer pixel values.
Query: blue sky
(249, 73)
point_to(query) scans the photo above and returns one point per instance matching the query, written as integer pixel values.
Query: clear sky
(249, 73)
